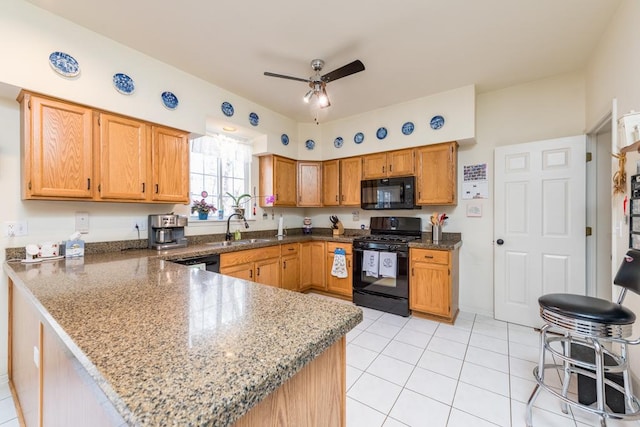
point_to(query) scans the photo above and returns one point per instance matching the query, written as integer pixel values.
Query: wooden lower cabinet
(290, 266)
(312, 262)
(433, 284)
(340, 285)
(258, 265)
(57, 391)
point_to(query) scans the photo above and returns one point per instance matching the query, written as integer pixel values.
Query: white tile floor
(415, 372)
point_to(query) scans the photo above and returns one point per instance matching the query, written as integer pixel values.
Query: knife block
(339, 231)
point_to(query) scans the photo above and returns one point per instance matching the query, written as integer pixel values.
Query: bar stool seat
(597, 325)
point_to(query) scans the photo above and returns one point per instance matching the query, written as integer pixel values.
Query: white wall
(614, 72)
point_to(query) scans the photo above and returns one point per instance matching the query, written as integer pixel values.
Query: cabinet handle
(343, 197)
(250, 274)
(412, 271)
(349, 263)
(157, 189)
(276, 197)
(291, 249)
(257, 271)
(284, 264)
(429, 256)
(336, 194)
(143, 187)
(419, 194)
(88, 183)
(390, 168)
(383, 169)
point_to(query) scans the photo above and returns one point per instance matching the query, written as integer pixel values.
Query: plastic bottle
(237, 234)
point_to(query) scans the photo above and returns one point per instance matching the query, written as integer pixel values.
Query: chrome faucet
(239, 215)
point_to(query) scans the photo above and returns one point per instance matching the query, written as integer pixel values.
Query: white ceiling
(410, 48)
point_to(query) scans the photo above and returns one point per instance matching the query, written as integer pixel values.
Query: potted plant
(202, 207)
(237, 201)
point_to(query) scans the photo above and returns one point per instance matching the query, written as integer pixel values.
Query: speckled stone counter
(169, 345)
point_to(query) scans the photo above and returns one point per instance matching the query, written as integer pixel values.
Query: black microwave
(388, 193)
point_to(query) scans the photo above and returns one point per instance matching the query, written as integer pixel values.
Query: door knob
(500, 242)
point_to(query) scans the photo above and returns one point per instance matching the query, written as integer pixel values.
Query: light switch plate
(82, 222)
(36, 356)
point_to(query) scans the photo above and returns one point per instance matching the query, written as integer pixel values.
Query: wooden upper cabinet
(169, 165)
(122, 157)
(350, 177)
(278, 176)
(309, 183)
(57, 149)
(331, 183)
(387, 164)
(437, 174)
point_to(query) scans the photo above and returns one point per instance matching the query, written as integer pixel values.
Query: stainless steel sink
(257, 240)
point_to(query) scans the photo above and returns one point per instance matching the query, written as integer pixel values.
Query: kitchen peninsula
(131, 339)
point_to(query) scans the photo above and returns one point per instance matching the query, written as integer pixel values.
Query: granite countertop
(169, 345)
(451, 242)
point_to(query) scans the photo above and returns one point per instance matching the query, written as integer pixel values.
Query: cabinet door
(430, 290)
(436, 174)
(400, 163)
(122, 158)
(285, 181)
(267, 272)
(170, 165)
(312, 260)
(58, 149)
(25, 339)
(374, 166)
(309, 184)
(240, 271)
(290, 277)
(350, 177)
(331, 183)
(340, 285)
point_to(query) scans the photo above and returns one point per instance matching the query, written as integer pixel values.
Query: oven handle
(400, 254)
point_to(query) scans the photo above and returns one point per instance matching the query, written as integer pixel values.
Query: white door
(539, 229)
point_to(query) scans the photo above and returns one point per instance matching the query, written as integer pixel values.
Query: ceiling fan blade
(282, 76)
(344, 71)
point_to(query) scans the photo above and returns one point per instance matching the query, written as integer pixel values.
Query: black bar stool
(597, 325)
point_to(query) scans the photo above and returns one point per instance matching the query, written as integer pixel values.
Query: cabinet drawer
(429, 255)
(332, 246)
(250, 255)
(290, 249)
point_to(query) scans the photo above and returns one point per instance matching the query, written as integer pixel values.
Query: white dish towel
(339, 267)
(370, 260)
(388, 262)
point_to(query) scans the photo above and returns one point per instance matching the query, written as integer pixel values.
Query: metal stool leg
(628, 386)
(566, 346)
(600, 395)
(538, 372)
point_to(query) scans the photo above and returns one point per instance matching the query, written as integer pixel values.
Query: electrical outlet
(15, 228)
(82, 222)
(140, 222)
(355, 216)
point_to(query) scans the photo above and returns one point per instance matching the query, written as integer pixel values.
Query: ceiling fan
(318, 83)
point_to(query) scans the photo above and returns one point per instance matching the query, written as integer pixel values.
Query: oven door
(390, 286)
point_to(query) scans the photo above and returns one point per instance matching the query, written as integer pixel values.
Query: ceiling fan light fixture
(308, 96)
(323, 99)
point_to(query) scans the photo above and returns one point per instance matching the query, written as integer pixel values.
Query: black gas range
(381, 264)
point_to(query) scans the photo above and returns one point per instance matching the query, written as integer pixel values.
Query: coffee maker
(167, 231)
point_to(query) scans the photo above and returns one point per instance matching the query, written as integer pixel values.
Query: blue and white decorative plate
(227, 109)
(338, 142)
(381, 133)
(285, 139)
(358, 138)
(310, 144)
(254, 119)
(407, 128)
(123, 83)
(64, 64)
(436, 122)
(169, 100)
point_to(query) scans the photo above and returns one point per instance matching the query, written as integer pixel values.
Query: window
(219, 164)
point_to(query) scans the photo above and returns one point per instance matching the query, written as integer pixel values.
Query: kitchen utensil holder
(436, 233)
